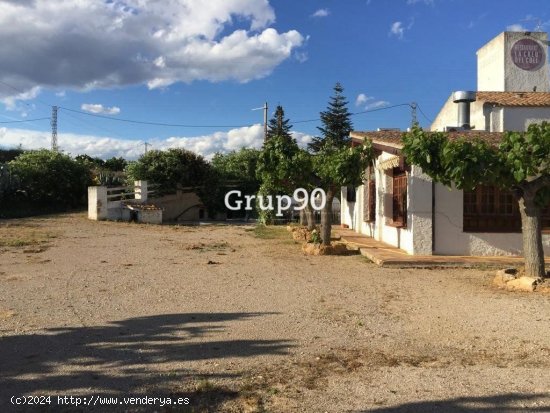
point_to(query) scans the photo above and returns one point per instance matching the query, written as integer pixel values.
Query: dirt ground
(237, 319)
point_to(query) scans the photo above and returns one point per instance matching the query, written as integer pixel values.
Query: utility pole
(265, 122)
(53, 122)
(264, 107)
(146, 145)
(414, 120)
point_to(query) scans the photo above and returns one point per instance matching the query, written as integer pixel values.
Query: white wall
(451, 240)
(490, 65)
(416, 238)
(519, 118)
(448, 116)
(497, 72)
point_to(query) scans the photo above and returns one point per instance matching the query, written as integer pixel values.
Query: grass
(269, 232)
(12, 235)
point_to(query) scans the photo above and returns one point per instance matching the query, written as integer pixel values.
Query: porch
(389, 256)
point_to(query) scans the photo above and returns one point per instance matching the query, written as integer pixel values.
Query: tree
(336, 163)
(278, 125)
(170, 169)
(115, 164)
(92, 163)
(520, 164)
(235, 170)
(282, 168)
(336, 123)
(7, 155)
(51, 178)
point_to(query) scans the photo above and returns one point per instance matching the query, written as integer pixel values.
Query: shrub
(50, 178)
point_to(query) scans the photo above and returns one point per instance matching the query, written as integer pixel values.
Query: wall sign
(528, 54)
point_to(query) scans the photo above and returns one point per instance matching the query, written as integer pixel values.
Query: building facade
(401, 206)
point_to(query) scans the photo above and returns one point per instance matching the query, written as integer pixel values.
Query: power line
(358, 113)
(181, 125)
(423, 114)
(91, 126)
(23, 92)
(26, 120)
(140, 122)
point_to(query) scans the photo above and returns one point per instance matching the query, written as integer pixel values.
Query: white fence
(122, 203)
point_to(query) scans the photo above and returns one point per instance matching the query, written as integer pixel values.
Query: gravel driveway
(237, 319)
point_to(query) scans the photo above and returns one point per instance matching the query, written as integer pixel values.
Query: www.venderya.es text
(98, 401)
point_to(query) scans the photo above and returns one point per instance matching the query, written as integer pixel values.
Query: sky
(205, 65)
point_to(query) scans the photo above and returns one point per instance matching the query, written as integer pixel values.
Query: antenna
(55, 148)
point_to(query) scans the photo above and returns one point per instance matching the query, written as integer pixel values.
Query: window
(350, 193)
(369, 204)
(399, 197)
(489, 209)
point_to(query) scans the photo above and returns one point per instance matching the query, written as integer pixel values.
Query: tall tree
(278, 125)
(336, 162)
(520, 164)
(336, 123)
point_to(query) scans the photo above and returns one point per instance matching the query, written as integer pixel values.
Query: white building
(401, 206)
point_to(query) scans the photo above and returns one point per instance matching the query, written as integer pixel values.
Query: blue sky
(209, 63)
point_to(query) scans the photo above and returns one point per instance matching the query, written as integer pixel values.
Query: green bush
(171, 169)
(50, 178)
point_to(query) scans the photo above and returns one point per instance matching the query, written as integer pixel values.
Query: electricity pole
(265, 122)
(146, 145)
(414, 120)
(55, 148)
(264, 107)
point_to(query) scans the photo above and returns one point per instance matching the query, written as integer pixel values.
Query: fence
(122, 203)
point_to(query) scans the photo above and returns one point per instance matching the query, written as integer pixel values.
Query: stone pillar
(140, 189)
(97, 203)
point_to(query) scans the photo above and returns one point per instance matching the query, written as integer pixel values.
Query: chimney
(464, 99)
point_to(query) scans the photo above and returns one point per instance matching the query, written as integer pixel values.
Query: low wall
(181, 206)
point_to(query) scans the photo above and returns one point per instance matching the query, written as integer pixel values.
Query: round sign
(528, 54)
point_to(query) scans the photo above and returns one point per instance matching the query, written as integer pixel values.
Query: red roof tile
(394, 138)
(515, 98)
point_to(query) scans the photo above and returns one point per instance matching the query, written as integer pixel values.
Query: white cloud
(321, 13)
(516, 28)
(427, 2)
(362, 99)
(377, 104)
(302, 138)
(397, 30)
(106, 147)
(302, 57)
(100, 109)
(11, 101)
(87, 44)
(369, 102)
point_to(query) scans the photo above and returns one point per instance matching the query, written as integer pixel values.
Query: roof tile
(394, 138)
(515, 98)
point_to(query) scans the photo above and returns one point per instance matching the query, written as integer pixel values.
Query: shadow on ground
(502, 403)
(126, 357)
